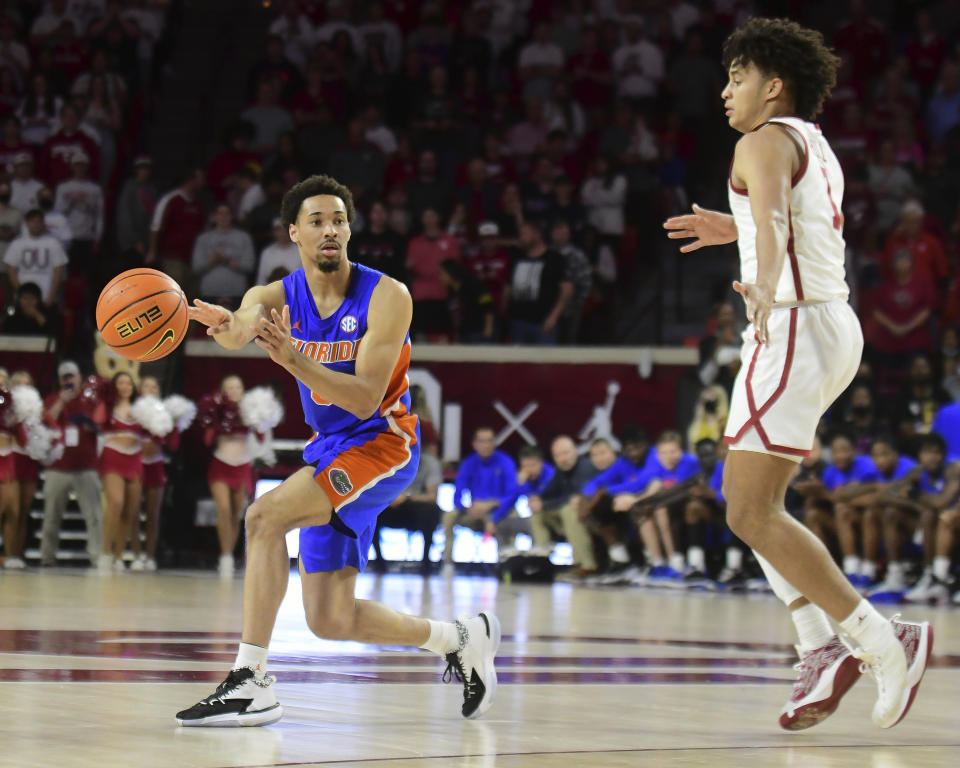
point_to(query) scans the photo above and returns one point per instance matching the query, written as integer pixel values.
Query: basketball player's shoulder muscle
(271, 296)
(390, 307)
(762, 154)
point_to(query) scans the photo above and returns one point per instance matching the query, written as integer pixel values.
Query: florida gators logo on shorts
(348, 324)
(340, 481)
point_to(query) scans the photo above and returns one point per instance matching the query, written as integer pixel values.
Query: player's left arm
(360, 393)
(765, 162)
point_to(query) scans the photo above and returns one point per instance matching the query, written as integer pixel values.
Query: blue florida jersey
(334, 341)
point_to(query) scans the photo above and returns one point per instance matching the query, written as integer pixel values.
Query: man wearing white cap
(80, 199)
(76, 411)
(23, 185)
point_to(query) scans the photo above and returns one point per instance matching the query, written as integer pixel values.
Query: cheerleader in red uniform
(229, 475)
(181, 412)
(9, 488)
(121, 470)
(27, 472)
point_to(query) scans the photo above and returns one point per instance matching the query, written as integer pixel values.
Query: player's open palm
(217, 319)
(708, 227)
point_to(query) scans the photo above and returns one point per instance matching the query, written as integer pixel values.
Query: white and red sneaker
(825, 675)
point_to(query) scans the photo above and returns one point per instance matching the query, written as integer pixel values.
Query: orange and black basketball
(142, 314)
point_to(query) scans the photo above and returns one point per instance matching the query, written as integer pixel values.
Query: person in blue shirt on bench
(489, 478)
(532, 478)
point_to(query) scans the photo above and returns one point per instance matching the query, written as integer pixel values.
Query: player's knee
(330, 626)
(949, 517)
(258, 519)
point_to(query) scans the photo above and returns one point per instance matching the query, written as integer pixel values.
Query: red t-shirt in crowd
(57, 153)
(178, 221)
(424, 256)
(929, 258)
(902, 303)
(79, 438)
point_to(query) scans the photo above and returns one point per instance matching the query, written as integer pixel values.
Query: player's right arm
(709, 227)
(234, 330)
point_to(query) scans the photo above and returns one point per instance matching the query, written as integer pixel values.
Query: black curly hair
(310, 187)
(797, 55)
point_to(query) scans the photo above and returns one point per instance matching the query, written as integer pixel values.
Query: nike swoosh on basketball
(168, 335)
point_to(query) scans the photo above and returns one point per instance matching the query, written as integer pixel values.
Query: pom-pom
(260, 409)
(27, 404)
(150, 414)
(261, 449)
(43, 443)
(6, 408)
(181, 410)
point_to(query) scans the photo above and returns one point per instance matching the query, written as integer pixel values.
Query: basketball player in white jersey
(800, 352)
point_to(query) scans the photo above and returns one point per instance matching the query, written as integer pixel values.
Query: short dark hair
(29, 289)
(797, 55)
(33, 213)
(885, 438)
(311, 187)
(530, 452)
(932, 440)
(634, 434)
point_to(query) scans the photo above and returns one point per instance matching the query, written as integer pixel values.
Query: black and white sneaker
(240, 700)
(472, 663)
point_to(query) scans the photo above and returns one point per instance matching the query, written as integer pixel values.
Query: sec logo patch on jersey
(348, 324)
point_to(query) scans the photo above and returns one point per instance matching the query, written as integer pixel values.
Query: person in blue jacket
(673, 466)
(486, 489)
(533, 477)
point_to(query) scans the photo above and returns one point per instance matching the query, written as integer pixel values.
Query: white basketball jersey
(813, 269)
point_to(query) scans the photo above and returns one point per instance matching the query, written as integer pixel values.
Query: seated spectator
(39, 110)
(838, 520)
(378, 246)
(538, 292)
(268, 118)
(806, 494)
(425, 254)
(248, 191)
(891, 183)
(638, 63)
(382, 32)
(81, 200)
(12, 144)
(427, 190)
(115, 85)
(54, 221)
(540, 64)
(604, 195)
(414, 510)
(24, 186)
(235, 154)
(359, 164)
(863, 420)
(223, 260)
(134, 209)
(36, 257)
(470, 305)
(527, 136)
(903, 309)
(490, 478)
(654, 521)
(31, 317)
(10, 219)
(913, 411)
(282, 253)
(554, 507)
(295, 32)
(178, 219)
(929, 258)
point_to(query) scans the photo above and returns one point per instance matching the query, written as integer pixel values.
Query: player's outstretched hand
(273, 335)
(708, 227)
(759, 301)
(217, 319)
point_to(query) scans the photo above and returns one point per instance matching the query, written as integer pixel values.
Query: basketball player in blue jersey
(342, 331)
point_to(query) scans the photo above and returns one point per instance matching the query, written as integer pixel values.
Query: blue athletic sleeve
(508, 491)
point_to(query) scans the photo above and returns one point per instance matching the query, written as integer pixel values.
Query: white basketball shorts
(786, 385)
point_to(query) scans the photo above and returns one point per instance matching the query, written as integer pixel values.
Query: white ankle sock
(734, 558)
(618, 554)
(871, 631)
(657, 562)
(813, 627)
(678, 562)
(941, 567)
(443, 637)
(869, 569)
(697, 559)
(851, 565)
(253, 656)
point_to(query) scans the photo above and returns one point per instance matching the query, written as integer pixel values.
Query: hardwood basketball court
(94, 668)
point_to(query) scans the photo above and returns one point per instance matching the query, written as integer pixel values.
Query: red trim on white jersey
(756, 414)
